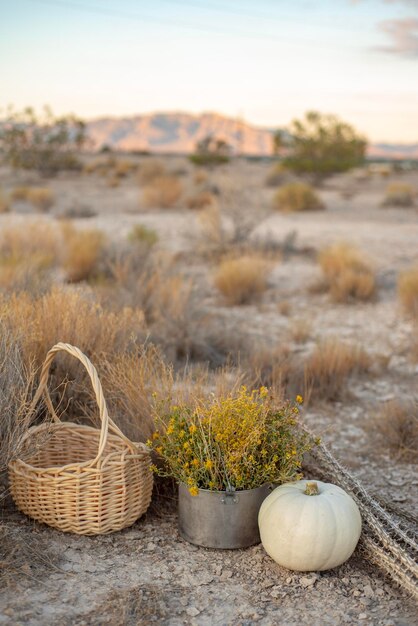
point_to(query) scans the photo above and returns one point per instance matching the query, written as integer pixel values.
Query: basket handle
(106, 422)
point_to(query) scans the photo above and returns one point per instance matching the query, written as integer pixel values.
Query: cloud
(404, 36)
(411, 3)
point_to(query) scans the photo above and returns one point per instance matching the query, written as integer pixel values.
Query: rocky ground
(148, 574)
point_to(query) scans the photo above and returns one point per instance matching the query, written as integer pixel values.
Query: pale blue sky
(267, 60)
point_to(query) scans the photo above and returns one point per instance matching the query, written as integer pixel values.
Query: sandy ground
(147, 574)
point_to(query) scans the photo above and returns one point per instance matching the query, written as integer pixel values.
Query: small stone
(226, 574)
(192, 611)
(289, 580)
(362, 616)
(151, 546)
(356, 593)
(307, 581)
(368, 591)
(380, 592)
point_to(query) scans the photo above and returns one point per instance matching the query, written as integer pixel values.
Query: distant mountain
(179, 133)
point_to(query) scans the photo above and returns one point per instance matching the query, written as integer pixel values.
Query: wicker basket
(80, 479)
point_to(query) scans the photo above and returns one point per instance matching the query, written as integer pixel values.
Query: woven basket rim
(137, 447)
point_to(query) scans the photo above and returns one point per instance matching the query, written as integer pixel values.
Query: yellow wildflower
(192, 428)
(155, 435)
(182, 434)
(186, 445)
(299, 399)
(195, 462)
(148, 443)
(159, 450)
(208, 464)
(194, 491)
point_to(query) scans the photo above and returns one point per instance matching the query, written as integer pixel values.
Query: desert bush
(399, 195)
(124, 167)
(41, 198)
(76, 211)
(113, 181)
(200, 177)
(328, 369)
(44, 143)
(277, 175)
(142, 234)
(295, 197)
(348, 275)
(243, 279)
(81, 253)
(27, 255)
(274, 367)
(19, 193)
(16, 388)
(300, 329)
(211, 151)
(320, 145)
(408, 290)
(201, 200)
(397, 426)
(149, 170)
(162, 192)
(4, 203)
(73, 317)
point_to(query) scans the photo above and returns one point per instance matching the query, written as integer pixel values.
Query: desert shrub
(44, 143)
(19, 193)
(320, 145)
(200, 177)
(348, 275)
(408, 290)
(328, 369)
(275, 367)
(300, 329)
(41, 198)
(124, 167)
(113, 181)
(295, 197)
(162, 192)
(76, 211)
(211, 151)
(397, 426)
(277, 175)
(4, 203)
(149, 170)
(16, 387)
(27, 255)
(399, 195)
(81, 253)
(243, 279)
(142, 234)
(201, 200)
(73, 317)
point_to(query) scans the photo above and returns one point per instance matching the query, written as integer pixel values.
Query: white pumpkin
(309, 526)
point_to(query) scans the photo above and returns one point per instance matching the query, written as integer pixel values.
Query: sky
(265, 61)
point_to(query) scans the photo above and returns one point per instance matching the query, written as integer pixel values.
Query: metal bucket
(221, 519)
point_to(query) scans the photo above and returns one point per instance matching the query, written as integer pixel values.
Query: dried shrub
(69, 316)
(124, 167)
(4, 203)
(277, 175)
(20, 193)
(296, 197)
(276, 368)
(408, 290)
(243, 279)
(149, 171)
(328, 369)
(163, 192)
(42, 198)
(113, 181)
(399, 195)
(81, 253)
(201, 200)
(142, 234)
(27, 255)
(300, 330)
(200, 177)
(397, 425)
(348, 275)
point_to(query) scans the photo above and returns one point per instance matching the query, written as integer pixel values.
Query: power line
(176, 23)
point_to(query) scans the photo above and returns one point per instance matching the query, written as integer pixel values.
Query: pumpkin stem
(311, 489)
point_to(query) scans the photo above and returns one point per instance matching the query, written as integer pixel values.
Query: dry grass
(408, 291)
(300, 330)
(275, 368)
(82, 251)
(113, 181)
(201, 200)
(4, 203)
(124, 167)
(242, 280)
(400, 195)
(297, 197)
(347, 273)
(162, 192)
(141, 234)
(328, 369)
(27, 255)
(42, 198)
(149, 171)
(20, 193)
(397, 425)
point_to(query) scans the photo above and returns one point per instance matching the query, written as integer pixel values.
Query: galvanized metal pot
(221, 519)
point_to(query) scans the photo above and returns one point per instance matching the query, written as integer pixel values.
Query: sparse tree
(320, 145)
(44, 143)
(211, 151)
